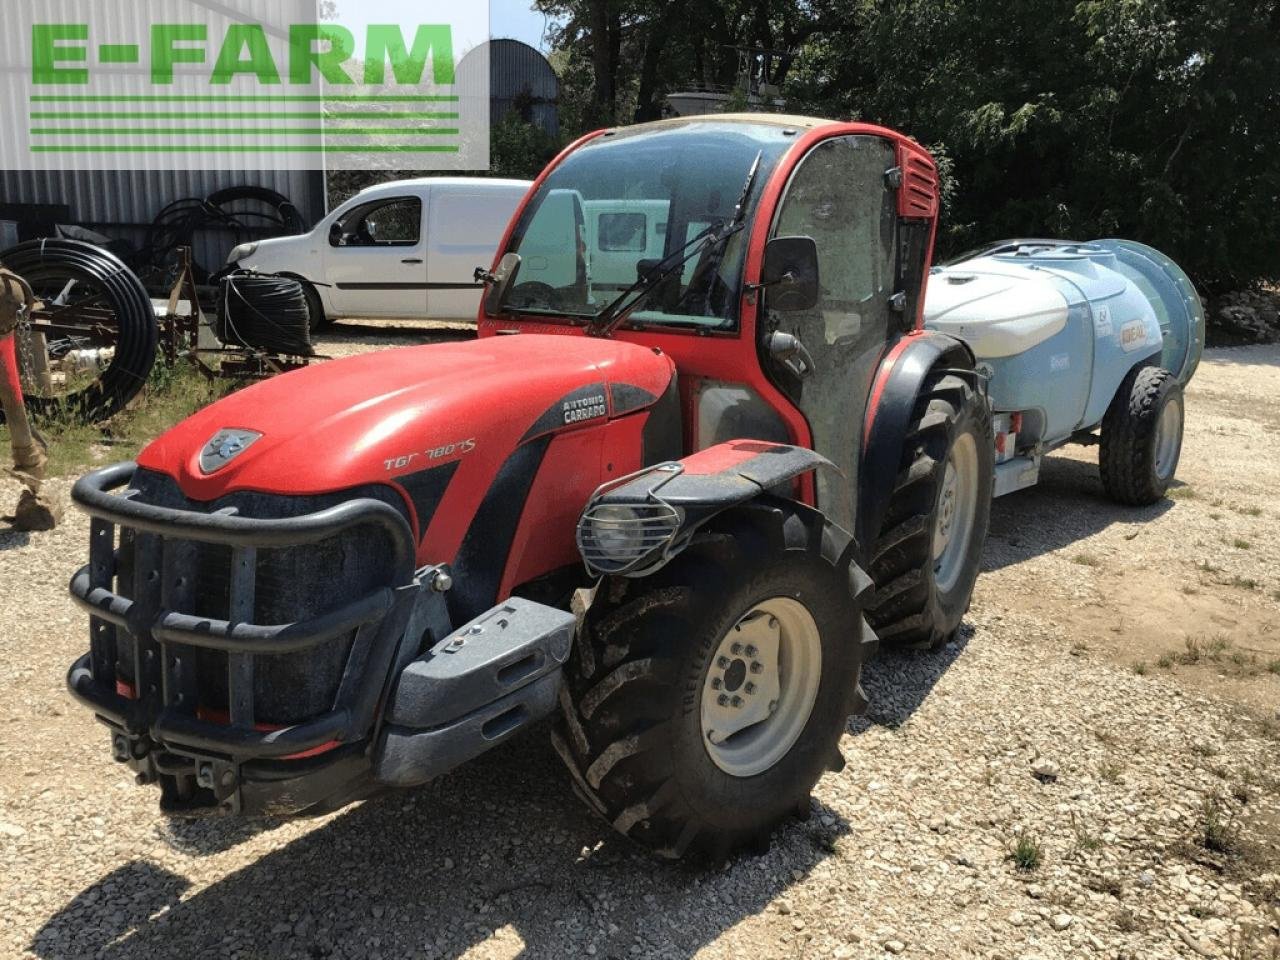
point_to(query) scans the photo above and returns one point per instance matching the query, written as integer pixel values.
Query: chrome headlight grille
(616, 538)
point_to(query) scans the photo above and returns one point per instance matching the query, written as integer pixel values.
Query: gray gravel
(906, 853)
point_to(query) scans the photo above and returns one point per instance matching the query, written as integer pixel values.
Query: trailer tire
(1142, 437)
(942, 495)
(633, 728)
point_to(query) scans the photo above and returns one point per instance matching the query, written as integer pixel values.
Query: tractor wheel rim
(956, 510)
(1169, 439)
(761, 686)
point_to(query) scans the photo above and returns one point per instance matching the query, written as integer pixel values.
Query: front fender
(889, 416)
(635, 525)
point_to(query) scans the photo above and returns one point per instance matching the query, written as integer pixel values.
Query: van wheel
(1142, 437)
(926, 560)
(317, 318)
(704, 702)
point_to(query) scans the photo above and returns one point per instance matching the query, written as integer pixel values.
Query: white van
(614, 236)
(403, 249)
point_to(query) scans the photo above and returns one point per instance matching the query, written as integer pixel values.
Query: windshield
(617, 207)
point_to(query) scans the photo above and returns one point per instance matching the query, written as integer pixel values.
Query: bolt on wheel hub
(956, 513)
(761, 686)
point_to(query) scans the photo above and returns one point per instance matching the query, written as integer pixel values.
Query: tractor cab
(775, 259)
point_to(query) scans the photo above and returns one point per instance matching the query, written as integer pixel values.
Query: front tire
(703, 703)
(1142, 437)
(926, 560)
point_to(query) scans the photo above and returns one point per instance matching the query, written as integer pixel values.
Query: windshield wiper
(616, 313)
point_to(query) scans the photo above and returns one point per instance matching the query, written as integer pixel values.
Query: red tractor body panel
(462, 409)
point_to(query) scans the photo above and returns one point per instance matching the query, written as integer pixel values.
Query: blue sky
(516, 19)
(507, 18)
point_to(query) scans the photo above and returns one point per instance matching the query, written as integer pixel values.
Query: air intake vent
(918, 196)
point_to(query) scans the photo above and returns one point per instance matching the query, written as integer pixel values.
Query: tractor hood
(381, 416)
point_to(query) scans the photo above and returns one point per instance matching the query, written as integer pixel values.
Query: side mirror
(336, 235)
(790, 273)
(500, 282)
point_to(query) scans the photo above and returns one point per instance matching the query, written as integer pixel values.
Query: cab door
(376, 260)
(840, 195)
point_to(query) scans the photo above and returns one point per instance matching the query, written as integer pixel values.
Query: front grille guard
(165, 709)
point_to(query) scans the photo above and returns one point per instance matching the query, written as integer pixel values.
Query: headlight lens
(242, 251)
(615, 538)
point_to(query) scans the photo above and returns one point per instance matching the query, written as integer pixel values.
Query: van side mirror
(790, 273)
(499, 282)
(336, 236)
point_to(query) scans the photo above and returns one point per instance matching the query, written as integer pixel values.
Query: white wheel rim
(1169, 439)
(761, 686)
(956, 510)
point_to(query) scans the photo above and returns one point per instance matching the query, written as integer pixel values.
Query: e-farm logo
(216, 90)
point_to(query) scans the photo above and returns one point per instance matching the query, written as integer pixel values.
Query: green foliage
(1026, 853)
(1150, 119)
(519, 149)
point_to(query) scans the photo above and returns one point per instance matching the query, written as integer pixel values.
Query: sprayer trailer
(1079, 343)
(673, 516)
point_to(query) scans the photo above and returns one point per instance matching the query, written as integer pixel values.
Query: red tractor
(701, 442)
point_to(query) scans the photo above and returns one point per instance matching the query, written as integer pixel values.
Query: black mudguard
(682, 496)
(903, 377)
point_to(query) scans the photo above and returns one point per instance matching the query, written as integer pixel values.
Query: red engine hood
(371, 418)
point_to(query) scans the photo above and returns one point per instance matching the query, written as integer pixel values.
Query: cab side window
(381, 223)
(838, 197)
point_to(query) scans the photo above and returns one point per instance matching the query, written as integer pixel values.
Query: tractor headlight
(616, 538)
(241, 252)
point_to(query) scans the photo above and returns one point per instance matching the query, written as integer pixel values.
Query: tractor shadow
(1067, 506)
(898, 682)
(500, 855)
(204, 837)
(11, 538)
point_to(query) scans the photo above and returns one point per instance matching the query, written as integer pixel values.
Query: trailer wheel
(1142, 437)
(926, 560)
(703, 703)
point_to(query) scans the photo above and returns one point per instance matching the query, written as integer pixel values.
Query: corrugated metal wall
(520, 78)
(120, 204)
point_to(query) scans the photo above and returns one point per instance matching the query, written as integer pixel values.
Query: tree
(1157, 120)
(1151, 119)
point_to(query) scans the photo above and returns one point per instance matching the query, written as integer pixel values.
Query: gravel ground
(1038, 725)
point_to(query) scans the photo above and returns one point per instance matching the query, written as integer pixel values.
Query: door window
(840, 197)
(380, 223)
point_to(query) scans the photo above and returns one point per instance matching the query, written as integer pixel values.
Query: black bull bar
(161, 711)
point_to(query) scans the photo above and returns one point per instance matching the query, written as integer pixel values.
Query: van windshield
(624, 202)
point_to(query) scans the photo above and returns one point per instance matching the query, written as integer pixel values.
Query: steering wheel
(536, 294)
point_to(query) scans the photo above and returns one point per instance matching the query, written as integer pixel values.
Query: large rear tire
(703, 703)
(926, 561)
(1142, 437)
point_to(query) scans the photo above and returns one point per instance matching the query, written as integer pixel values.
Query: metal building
(521, 80)
(121, 204)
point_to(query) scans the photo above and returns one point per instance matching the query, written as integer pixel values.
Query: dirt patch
(1189, 588)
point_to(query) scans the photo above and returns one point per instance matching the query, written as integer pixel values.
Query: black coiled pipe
(264, 312)
(47, 263)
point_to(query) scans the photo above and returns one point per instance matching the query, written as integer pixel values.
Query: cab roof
(788, 121)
